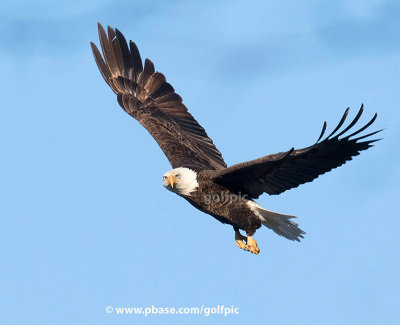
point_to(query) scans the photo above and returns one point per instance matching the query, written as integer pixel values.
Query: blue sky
(85, 222)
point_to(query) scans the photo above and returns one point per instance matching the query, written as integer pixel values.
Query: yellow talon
(240, 240)
(252, 245)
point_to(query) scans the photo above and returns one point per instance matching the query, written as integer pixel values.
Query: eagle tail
(279, 223)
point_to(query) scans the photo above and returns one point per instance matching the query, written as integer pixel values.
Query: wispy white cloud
(338, 34)
(48, 27)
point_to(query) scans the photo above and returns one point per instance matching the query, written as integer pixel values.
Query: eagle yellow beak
(172, 180)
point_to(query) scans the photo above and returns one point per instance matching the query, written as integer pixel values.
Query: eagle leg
(240, 240)
(252, 245)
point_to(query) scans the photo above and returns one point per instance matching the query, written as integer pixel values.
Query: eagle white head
(180, 180)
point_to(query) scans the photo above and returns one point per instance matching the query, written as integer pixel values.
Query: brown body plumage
(226, 193)
(224, 205)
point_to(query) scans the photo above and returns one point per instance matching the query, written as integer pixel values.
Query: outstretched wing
(274, 174)
(145, 95)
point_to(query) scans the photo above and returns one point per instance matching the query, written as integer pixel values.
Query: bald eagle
(200, 174)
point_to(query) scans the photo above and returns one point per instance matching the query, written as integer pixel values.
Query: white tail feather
(279, 223)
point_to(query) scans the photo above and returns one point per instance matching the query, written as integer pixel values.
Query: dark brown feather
(146, 96)
(274, 174)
